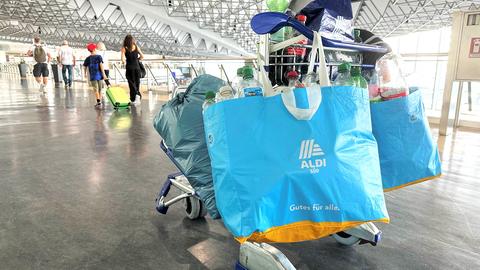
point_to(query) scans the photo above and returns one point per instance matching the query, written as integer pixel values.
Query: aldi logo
(310, 156)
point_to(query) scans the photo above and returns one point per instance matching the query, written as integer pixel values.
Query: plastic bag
(180, 124)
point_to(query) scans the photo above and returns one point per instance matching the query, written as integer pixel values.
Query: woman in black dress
(131, 55)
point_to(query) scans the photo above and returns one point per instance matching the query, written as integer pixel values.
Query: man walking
(67, 59)
(41, 57)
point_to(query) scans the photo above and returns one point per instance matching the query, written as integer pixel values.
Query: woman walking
(131, 55)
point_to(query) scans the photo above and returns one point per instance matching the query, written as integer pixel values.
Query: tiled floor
(77, 187)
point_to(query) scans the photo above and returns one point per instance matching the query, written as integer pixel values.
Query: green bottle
(358, 80)
(278, 6)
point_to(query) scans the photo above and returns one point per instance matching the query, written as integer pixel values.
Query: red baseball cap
(91, 47)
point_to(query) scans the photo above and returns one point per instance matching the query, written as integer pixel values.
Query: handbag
(143, 71)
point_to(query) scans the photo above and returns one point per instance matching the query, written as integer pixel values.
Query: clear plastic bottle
(224, 93)
(209, 100)
(343, 77)
(237, 81)
(357, 78)
(311, 79)
(390, 77)
(249, 86)
(293, 79)
(373, 88)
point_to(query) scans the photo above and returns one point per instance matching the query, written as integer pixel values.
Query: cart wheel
(193, 207)
(346, 239)
(203, 212)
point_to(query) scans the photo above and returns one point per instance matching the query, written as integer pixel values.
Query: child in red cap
(94, 65)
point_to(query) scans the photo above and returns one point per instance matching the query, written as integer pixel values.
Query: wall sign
(474, 48)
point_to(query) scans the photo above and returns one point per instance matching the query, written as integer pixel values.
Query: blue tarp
(180, 124)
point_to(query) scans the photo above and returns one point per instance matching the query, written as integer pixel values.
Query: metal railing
(165, 75)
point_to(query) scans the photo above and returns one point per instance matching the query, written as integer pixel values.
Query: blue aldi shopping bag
(407, 152)
(288, 172)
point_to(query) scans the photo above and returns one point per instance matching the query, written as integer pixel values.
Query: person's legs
(137, 83)
(64, 75)
(97, 88)
(131, 83)
(37, 73)
(70, 79)
(45, 73)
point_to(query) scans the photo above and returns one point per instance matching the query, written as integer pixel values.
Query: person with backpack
(94, 65)
(131, 56)
(41, 56)
(66, 57)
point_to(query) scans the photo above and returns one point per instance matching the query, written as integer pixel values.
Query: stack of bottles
(385, 82)
(244, 85)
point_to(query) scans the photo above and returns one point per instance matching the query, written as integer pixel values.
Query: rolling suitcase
(118, 97)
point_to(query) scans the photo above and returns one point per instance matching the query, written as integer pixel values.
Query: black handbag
(143, 71)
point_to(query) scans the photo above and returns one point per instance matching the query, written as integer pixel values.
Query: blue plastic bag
(287, 173)
(407, 152)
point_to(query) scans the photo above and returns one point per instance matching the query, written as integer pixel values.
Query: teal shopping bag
(408, 155)
(296, 166)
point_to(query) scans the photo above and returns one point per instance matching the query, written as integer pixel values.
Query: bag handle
(263, 76)
(314, 92)
(322, 71)
(314, 96)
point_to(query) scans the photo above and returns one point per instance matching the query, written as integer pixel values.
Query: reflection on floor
(77, 189)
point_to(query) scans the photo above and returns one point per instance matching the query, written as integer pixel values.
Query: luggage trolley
(262, 256)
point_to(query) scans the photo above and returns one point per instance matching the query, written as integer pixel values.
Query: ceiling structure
(194, 27)
(398, 17)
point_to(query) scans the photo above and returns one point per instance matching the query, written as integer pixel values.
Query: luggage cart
(253, 256)
(262, 256)
(194, 207)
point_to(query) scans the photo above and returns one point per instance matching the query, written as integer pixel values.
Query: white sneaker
(42, 87)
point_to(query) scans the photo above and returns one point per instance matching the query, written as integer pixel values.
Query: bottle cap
(240, 72)
(302, 18)
(356, 71)
(210, 95)
(292, 74)
(344, 67)
(247, 72)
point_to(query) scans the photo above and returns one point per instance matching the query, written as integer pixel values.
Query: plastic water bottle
(390, 77)
(237, 80)
(278, 6)
(358, 80)
(249, 86)
(224, 93)
(373, 88)
(209, 100)
(343, 77)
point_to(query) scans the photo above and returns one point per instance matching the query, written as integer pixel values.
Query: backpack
(39, 54)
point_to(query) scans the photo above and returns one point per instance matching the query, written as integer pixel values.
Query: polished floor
(77, 188)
